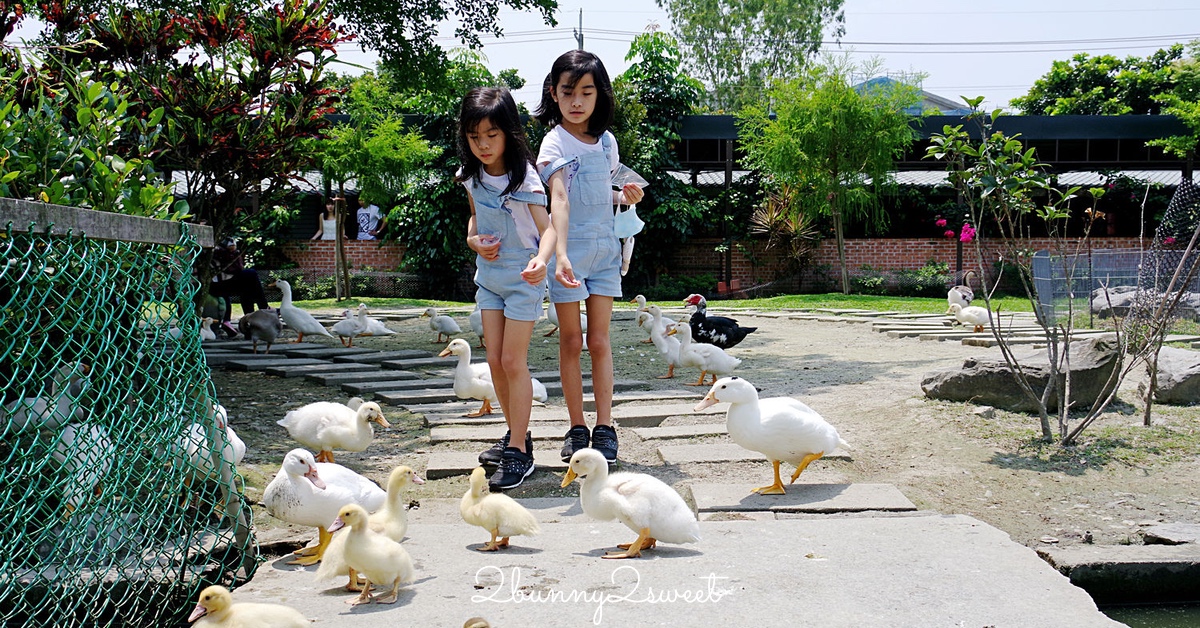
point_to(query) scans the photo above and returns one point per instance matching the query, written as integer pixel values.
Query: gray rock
(1120, 298)
(991, 383)
(1178, 380)
(1171, 534)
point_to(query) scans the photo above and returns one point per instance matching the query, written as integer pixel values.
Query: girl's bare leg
(599, 317)
(570, 347)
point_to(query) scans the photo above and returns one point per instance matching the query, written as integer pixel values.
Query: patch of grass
(1130, 445)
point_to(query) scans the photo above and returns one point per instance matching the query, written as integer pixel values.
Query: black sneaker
(604, 440)
(577, 438)
(491, 457)
(515, 466)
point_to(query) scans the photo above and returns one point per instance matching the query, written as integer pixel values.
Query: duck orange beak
(569, 477)
(314, 478)
(709, 400)
(380, 420)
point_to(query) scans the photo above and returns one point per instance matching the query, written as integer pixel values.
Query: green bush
(671, 288)
(929, 280)
(869, 281)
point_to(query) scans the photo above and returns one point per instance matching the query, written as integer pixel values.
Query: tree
(403, 32)
(1183, 102)
(1102, 85)
(739, 48)
(831, 142)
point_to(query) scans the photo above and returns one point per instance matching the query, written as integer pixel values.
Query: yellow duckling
(390, 521)
(780, 428)
(644, 503)
(378, 558)
(215, 609)
(497, 513)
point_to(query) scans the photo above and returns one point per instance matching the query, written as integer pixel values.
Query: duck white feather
(195, 447)
(668, 347)
(60, 403)
(644, 503)
(497, 513)
(378, 558)
(642, 307)
(780, 428)
(85, 454)
(442, 324)
(973, 315)
(390, 521)
(215, 609)
(206, 330)
(476, 321)
(310, 493)
(350, 327)
(373, 326)
(474, 381)
(710, 359)
(296, 318)
(328, 425)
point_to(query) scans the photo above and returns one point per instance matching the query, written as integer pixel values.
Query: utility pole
(579, 31)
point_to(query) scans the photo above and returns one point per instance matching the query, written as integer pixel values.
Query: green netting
(117, 509)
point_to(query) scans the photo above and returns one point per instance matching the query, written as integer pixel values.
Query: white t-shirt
(368, 221)
(526, 228)
(559, 143)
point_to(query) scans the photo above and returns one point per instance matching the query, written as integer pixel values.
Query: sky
(970, 48)
(996, 50)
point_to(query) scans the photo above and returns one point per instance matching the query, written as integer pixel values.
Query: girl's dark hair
(576, 63)
(496, 105)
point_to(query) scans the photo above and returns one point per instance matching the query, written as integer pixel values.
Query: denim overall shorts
(499, 282)
(592, 244)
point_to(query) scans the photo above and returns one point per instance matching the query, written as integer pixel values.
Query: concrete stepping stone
(324, 353)
(721, 452)
(407, 364)
(291, 370)
(441, 510)
(358, 388)
(492, 434)
(452, 414)
(589, 402)
(452, 463)
(262, 363)
(681, 431)
(284, 347)
(335, 379)
(1124, 574)
(653, 415)
(376, 357)
(1171, 534)
(800, 497)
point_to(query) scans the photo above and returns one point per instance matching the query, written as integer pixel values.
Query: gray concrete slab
(721, 452)
(681, 431)
(589, 402)
(548, 510)
(491, 434)
(406, 364)
(843, 573)
(284, 346)
(359, 388)
(335, 379)
(291, 370)
(262, 363)
(376, 357)
(451, 463)
(1124, 574)
(1172, 534)
(326, 353)
(452, 414)
(800, 497)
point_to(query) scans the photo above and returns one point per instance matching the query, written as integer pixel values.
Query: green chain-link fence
(119, 501)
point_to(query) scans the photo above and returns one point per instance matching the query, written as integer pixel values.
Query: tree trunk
(341, 271)
(841, 246)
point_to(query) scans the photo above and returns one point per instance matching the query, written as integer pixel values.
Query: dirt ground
(942, 456)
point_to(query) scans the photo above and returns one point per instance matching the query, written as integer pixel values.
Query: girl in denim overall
(507, 230)
(576, 160)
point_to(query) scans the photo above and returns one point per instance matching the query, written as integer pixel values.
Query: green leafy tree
(831, 143)
(1183, 102)
(738, 48)
(1102, 85)
(653, 95)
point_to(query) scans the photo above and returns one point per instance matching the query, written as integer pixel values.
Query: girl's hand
(487, 246)
(535, 272)
(564, 273)
(632, 194)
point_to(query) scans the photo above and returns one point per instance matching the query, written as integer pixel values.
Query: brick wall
(317, 256)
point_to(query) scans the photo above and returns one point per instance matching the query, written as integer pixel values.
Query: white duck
(973, 315)
(390, 521)
(642, 307)
(350, 327)
(961, 294)
(780, 428)
(668, 347)
(206, 330)
(296, 318)
(380, 559)
(474, 381)
(85, 453)
(476, 320)
(644, 503)
(194, 448)
(215, 609)
(442, 324)
(497, 513)
(328, 425)
(60, 404)
(308, 493)
(373, 326)
(710, 359)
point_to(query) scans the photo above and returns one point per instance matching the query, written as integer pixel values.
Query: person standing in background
(371, 221)
(326, 223)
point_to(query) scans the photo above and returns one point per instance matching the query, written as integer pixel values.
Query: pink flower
(968, 233)
(949, 234)
(941, 222)
(1169, 240)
